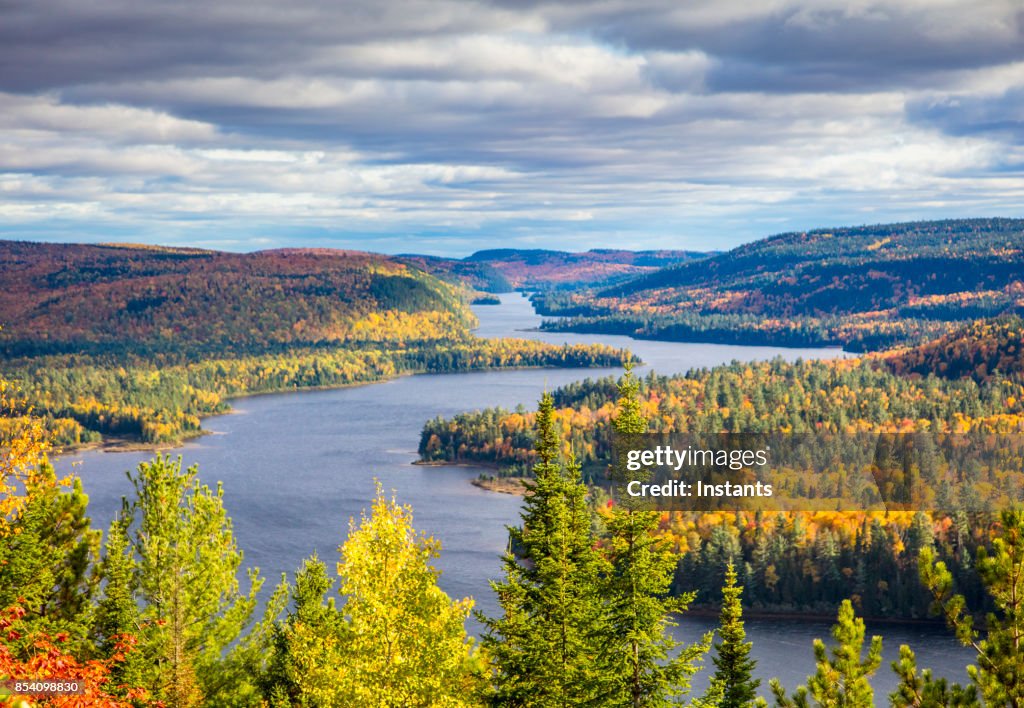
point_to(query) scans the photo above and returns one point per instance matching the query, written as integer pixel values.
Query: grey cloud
(975, 115)
(454, 119)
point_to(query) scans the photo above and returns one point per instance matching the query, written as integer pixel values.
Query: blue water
(297, 466)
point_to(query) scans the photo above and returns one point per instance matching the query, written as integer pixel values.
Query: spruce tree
(45, 561)
(734, 668)
(117, 613)
(546, 647)
(306, 651)
(645, 665)
(842, 679)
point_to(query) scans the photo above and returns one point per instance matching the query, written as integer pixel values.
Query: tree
(639, 663)
(405, 640)
(23, 447)
(117, 612)
(186, 574)
(998, 677)
(733, 666)
(45, 562)
(842, 680)
(306, 661)
(546, 648)
(48, 659)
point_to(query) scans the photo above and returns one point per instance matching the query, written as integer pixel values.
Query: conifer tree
(306, 652)
(998, 677)
(733, 666)
(644, 664)
(117, 613)
(187, 563)
(546, 647)
(45, 561)
(842, 680)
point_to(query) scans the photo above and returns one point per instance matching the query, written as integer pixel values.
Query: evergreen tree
(306, 654)
(117, 613)
(45, 561)
(842, 680)
(733, 666)
(639, 663)
(546, 648)
(924, 690)
(187, 564)
(405, 642)
(998, 676)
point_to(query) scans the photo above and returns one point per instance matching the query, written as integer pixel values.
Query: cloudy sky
(442, 127)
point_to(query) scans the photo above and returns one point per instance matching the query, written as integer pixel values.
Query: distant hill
(862, 287)
(978, 351)
(477, 275)
(88, 298)
(534, 269)
(505, 269)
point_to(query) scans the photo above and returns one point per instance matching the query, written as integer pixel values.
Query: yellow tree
(406, 639)
(23, 446)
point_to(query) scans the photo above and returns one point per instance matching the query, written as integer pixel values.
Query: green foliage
(734, 668)
(1000, 662)
(644, 665)
(397, 640)
(842, 680)
(924, 690)
(46, 560)
(186, 565)
(306, 657)
(545, 649)
(787, 562)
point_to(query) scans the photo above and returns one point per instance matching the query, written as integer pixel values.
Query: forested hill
(140, 342)
(864, 287)
(504, 269)
(981, 351)
(74, 298)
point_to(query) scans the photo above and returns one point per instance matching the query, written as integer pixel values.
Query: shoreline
(123, 444)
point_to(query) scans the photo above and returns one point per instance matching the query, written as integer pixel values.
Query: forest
(141, 342)
(968, 382)
(151, 612)
(864, 288)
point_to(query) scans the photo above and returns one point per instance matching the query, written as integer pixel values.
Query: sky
(435, 126)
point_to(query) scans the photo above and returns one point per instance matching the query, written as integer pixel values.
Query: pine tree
(546, 646)
(733, 666)
(998, 676)
(842, 680)
(405, 642)
(187, 564)
(638, 663)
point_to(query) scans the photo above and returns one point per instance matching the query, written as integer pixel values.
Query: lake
(297, 466)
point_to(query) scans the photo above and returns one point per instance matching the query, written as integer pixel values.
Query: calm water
(296, 467)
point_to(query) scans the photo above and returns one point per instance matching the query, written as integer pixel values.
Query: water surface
(297, 466)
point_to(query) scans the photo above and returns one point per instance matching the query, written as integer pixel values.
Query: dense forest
(140, 342)
(152, 612)
(864, 288)
(505, 269)
(807, 561)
